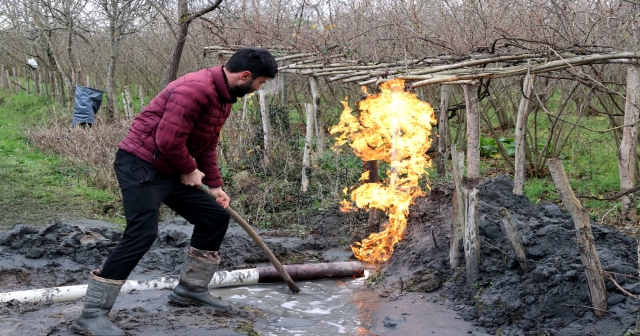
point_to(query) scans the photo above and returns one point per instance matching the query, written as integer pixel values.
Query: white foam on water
(341, 329)
(289, 305)
(238, 297)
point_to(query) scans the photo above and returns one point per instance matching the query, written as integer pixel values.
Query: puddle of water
(335, 307)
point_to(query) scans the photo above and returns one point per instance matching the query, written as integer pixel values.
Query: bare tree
(185, 19)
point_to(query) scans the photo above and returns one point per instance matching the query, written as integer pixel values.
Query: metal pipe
(313, 271)
(220, 279)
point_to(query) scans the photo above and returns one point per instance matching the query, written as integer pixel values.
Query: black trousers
(143, 189)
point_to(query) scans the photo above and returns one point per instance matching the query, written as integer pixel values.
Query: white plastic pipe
(70, 293)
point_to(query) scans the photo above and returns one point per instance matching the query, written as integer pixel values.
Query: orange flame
(393, 126)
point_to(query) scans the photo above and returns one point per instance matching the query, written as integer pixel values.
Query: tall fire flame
(392, 126)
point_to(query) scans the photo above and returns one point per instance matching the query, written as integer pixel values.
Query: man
(169, 152)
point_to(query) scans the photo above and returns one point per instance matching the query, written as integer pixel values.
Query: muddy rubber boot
(197, 271)
(101, 295)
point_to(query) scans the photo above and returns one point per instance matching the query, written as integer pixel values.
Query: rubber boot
(197, 271)
(101, 295)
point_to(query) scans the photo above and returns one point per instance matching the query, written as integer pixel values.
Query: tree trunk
(319, 128)
(584, 237)
(521, 128)
(171, 71)
(306, 157)
(627, 150)
(111, 106)
(266, 125)
(473, 132)
(443, 129)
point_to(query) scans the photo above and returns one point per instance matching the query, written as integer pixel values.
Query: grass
(36, 188)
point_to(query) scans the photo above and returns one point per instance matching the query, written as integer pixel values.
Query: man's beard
(241, 90)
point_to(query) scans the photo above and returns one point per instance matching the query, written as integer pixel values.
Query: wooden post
(9, 84)
(128, 102)
(15, 79)
(471, 236)
(457, 222)
(443, 129)
(513, 236)
(520, 136)
(36, 81)
(473, 132)
(584, 237)
(627, 150)
(313, 84)
(2, 78)
(141, 95)
(27, 71)
(266, 125)
(306, 157)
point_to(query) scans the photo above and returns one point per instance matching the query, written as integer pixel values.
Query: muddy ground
(549, 300)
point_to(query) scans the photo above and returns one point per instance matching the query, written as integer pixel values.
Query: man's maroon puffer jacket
(178, 131)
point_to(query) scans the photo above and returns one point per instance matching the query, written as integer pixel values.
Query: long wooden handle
(294, 288)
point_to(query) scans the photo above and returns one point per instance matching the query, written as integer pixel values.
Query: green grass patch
(38, 189)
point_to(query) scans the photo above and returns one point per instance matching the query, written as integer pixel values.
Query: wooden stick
(584, 236)
(514, 238)
(294, 288)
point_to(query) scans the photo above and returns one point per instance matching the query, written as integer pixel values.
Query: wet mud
(415, 293)
(551, 299)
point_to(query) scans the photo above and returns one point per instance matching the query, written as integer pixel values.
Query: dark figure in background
(169, 153)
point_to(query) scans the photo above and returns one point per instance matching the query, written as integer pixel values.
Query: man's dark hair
(257, 60)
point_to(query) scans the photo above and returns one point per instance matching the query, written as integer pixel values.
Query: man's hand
(222, 199)
(193, 179)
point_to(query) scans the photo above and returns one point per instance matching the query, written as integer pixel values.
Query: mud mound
(548, 300)
(62, 254)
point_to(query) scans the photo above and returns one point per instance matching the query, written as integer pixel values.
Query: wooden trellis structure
(467, 71)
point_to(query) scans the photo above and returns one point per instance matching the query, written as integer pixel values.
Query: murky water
(334, 307)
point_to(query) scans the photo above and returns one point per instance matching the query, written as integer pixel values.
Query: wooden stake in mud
(521, 128)
(294, 288)
(457, 223)
(471, 236)
(514, 238)
(443, 129)
(584, 237)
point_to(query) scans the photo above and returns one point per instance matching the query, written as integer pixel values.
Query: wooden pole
(471, 237)
(266, 125)
(457, 222)
(627, 150)
(36, 81)
(443, 129)
(514, 238)
(9, 84)
(15, 79)
(276, 264)
(2, 78)
(520, 136)
(27, 71)
(306, 157)
(141, 95)
(584, 237)
(473, 132)
(128, 102)
(319, 128)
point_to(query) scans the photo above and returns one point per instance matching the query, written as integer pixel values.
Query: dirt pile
(549, 300)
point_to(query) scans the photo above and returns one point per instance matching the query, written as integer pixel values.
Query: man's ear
(246, 75)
